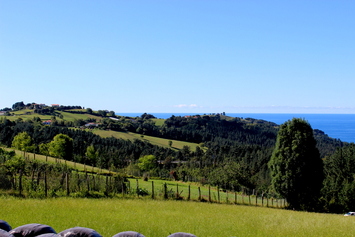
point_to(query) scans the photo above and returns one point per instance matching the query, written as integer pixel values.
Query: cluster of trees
(102, 113)
(18, 106)
(40, 108)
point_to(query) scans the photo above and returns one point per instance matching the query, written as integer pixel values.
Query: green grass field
(177, 145)
(159, 122)
(159, 218)
(196, 190)
(153, 140)
(29, 114)
(77, 166)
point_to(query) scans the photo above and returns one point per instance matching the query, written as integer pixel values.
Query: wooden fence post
(152, 189)
(177, 191)
(38, 177)
(67, 183)
(188, 196)
(33, 179)
(209, 193)
(87, 182)
(235, 197)
(45, 182)
(219, 200)
(249, 198)
(123, 189)
(242, 195)
(129, 186)
(137, 188)
(93, 182)
(165, 192)
(107, 187)
(20, 182)
(199, 193)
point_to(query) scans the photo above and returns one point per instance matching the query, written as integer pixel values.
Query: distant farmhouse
(47, 122)
(91, 125)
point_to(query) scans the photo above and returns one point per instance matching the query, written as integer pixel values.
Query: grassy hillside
(29, 114)
(77, 166)
(160, 218)
(153, 140)
(196, 190)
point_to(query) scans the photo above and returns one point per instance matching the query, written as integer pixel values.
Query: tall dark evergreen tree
(296, 167)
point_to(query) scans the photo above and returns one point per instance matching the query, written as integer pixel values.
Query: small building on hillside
(91, 125)
(47, 122)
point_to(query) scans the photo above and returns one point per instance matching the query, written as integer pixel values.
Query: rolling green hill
(177, 145)
(29, 114)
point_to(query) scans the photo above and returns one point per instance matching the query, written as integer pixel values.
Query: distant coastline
(339, 126)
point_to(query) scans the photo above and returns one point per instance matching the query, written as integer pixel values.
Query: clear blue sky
(180, 55)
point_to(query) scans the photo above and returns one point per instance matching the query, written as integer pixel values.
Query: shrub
(142, 192)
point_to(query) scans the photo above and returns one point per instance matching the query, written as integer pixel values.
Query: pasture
(154, 188)
(159, 218)
(153, 140)
(49, 159)
(66, 116)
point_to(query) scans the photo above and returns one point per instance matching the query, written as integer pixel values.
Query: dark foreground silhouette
(40, 230)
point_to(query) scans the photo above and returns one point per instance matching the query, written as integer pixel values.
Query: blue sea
(339, 126)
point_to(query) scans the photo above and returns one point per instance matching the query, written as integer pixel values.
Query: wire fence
(39, 179)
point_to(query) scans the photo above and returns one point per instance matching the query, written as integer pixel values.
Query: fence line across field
(205, 194)
(86, 181)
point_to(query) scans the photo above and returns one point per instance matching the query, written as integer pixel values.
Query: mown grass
(160, 218)
(29, 114)
(159, 122)
(153, 140)
(72, 117)
(21, 114)
(177, 145)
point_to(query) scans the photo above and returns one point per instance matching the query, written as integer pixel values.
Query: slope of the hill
(230, 152)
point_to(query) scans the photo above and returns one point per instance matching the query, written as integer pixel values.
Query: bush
(142, 192)
(5, 182)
